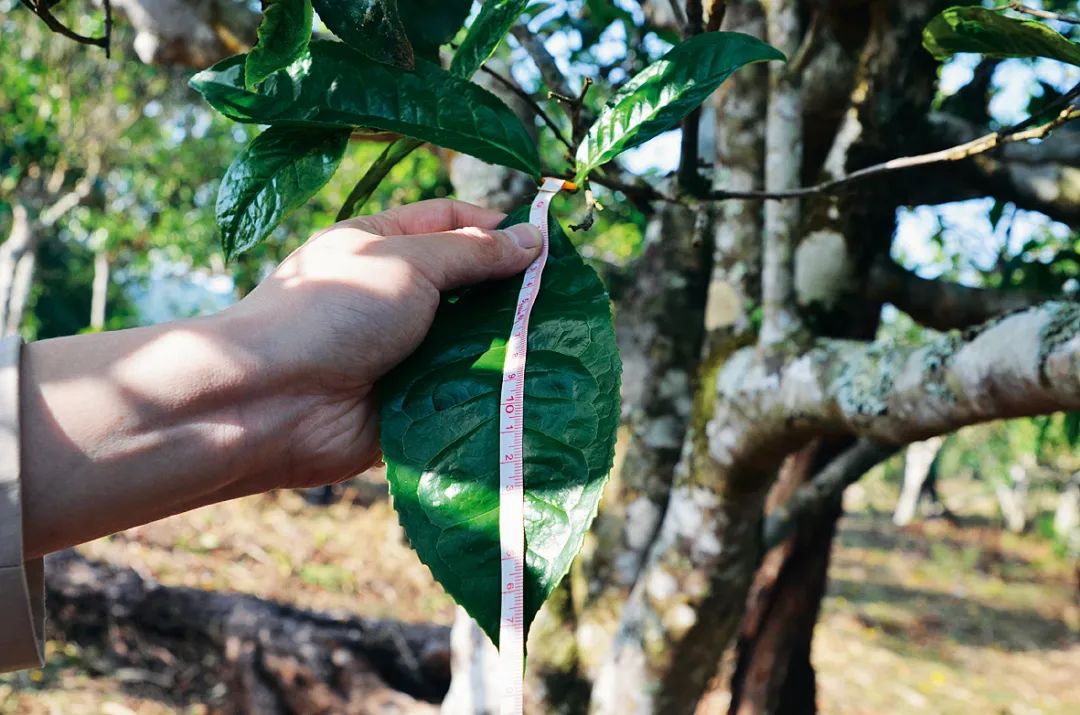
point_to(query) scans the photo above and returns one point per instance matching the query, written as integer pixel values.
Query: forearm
(126, 427)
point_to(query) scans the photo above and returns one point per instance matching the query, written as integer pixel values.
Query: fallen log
(243, 654)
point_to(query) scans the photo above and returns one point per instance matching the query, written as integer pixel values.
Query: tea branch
(1043, 14)
(41, 8)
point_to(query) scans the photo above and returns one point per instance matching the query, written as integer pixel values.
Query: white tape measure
(512, 468)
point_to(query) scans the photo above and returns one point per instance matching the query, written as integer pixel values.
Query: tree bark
(272, 658)
(16, 268)
(918, 462)
(773, 673)
(99, 295)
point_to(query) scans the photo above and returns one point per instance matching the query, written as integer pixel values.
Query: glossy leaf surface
(440, 427)
(991, 33)
(334, 86)
(283, 36)
(659, 96)
(432, 23)
(276, 173)
(485, 33)
(372, 27)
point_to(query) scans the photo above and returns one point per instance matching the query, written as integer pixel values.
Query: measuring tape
(512, 467)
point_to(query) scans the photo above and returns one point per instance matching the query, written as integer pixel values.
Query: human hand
(349, 305)
(121, 428)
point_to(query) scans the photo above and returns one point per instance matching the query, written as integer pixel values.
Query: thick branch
(829, 483)
(685, 606)
(553, 77)
(943, 305)
(783, 167)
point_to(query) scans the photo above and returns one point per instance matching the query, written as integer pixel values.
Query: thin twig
(1044, 14)
(41, 9)
(957, 153)
(690, 145)
(533, 104)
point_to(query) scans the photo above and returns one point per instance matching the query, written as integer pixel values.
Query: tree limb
(943, 305)
(810, 499)
(549, 68)
(686, 605)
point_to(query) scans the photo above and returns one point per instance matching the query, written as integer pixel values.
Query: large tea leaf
(988, 32)
(283, 36)
(659, 96)
(440, 431)
(334, 86)
(276, 173)
(484, 35)
(372, 27)
(431, 23)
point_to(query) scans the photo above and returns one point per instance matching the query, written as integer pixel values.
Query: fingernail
(525, 235)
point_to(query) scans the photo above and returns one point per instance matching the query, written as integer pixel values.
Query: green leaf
(991, 33)
(1072, 428)
(658, 97)
(484, 35)
(334, 86)
(429, 24)
(283, 36)
(372, 27)
(276, 173)
(440, 440)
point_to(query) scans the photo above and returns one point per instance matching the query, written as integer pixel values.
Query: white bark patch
(679, 619)
(661, 585)
(801, 385)
(1006, 356)
(822, 268)
(663, 433)
(724, 307)
(641, 517)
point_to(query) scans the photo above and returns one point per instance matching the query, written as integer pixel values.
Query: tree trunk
(18, 258)
(100, 291)
(773, 672)
(271, 658)
(918, 464)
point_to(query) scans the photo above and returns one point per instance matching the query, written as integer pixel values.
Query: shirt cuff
(22, 595)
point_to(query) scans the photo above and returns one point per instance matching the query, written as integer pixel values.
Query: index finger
(423, 217)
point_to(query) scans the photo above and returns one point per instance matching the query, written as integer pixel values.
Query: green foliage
(994, 34)
(276, 173)
(484, 35)
(372, 27)
(283, 36)
(665, 92)
(439, 422)
(335, 86)
(432, 23)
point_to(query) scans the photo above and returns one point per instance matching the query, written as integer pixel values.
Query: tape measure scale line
(512, 468)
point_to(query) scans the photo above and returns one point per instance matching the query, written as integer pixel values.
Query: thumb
(469, 255)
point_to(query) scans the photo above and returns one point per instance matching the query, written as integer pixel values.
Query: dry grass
(933, 618)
